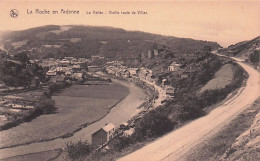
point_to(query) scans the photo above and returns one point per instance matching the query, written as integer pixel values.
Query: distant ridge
(84, 41)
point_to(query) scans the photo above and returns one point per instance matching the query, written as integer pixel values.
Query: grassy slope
(222, 78)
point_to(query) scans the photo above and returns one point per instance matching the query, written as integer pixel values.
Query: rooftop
(108, 127)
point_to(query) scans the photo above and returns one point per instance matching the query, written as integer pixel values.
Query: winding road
(174, 145)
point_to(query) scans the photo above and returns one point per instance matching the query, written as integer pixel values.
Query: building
(96, 57)
(69, 58)
(65, 62)
(76, 68)
(232, 53)
(150, 54)
(82, 60)
(103, 135)
(133, 71)
(57, 78)
(143, 73)
(126, 74)
(77, 76)
(35, 82)
(169, 90)
(51, 73)
(174, 67)
(164, 82)
(128, 132)
(155, 52)
(94, 68)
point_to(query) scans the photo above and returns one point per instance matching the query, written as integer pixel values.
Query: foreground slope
(174, 145)
(246, 146)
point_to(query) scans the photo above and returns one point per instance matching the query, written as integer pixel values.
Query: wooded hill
(84, 41)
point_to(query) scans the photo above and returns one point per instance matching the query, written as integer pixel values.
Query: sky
(226, 22)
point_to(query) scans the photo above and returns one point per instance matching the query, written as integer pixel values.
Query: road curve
(174, 145)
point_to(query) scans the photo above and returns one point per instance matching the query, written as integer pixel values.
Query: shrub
(74, 151)
(120, 143)
(154, 124)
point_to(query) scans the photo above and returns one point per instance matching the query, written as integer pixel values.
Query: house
(117, 73)
(65, 62)
(150, 55)
(74, 61)
(96, 57)
(76, 68)
(58, 78)
(82, 60)
(74, 40)
(232, 53)
(174, 67)
(93, 68)
(124, 126)
(78, 76)
(143, 73)
(126, 74)
(50, 73)
(133, 71)
(69, 58)
(33, 61)
(128, 132)
(164, 82)
(169, 90)
(155, 52)
(103, 135)
(35, 82)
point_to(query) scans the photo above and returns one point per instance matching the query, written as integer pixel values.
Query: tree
(46, 105)
(254, 57)
(22, 56)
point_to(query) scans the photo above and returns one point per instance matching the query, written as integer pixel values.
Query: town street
(122, 112)
(161, 93)
(174, 145)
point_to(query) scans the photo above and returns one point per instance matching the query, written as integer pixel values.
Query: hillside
(246, 145)
(84, 41)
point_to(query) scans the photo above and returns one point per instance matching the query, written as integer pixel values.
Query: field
(45, 156)
(77, 105)
(222, 78)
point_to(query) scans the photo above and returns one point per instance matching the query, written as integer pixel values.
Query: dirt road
(174, 145)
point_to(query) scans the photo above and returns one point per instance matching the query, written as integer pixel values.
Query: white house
(103, 135)
(174, 67)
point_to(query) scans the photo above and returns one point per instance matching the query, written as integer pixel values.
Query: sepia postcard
(129, 80)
